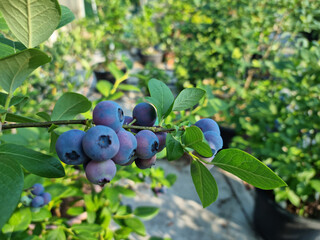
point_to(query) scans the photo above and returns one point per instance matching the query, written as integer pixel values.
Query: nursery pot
(155, 58)
(102, 73)
(227, 134)
(273, 222)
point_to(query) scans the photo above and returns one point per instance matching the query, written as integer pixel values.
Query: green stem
(6, 107)
(117, 83)
(83, 122)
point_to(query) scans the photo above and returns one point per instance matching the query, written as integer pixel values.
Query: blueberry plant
(110, 141)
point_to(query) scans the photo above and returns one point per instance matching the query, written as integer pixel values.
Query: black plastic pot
(275, 223)
(227, 134)
(156, 58)
(106, 75)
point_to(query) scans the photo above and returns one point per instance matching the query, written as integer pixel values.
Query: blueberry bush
(46, 198)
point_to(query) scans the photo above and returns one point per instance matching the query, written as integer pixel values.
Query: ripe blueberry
(46, 197)
(145, 114)
(162, 140)
(38, 201)
(100, 143)
(148, 144)
(128, 146)
(101, 173)
(127, 121)
(69, 147)
(207, 124)
(215, 141)
(108, 113)
(146, 163)
(37, 189)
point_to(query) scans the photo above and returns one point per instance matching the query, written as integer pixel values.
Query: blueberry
(208, 124)
(38, 201)
(145, 114)
(128, 146)
(69, 147)
(148, 144)
(37, 189)
(128, 120)
(108, 113)
(46, 197)
(85, 163)
(162, 140)
(101, 173)
(146, 163)
(100, 143)
(215, 141)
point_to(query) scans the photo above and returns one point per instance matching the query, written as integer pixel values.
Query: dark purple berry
(108, 113)
(46, 197)
(101, 173)
(69, 147)
(215, 141)
(146, 163)
(162, 140)
(37, 189)
(207, 124)
(148, 144)
(128, 147)
(38, 201)
(100, 143)
(145, 114)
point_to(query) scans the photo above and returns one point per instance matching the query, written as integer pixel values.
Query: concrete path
(181, 215)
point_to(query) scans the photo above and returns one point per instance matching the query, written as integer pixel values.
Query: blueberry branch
(83, 122)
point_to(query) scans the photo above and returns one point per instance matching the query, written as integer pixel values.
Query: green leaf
(35, 162)
(248, 168)
(188, 98)
(174, 148)
(69, 105)
(128, 87)
(32, 22)
(14, 69)
(104, 87)
(293, 197)
(75, 211)
(86, 228)
(136, 225)
(115, 96)
(146, 212)
(30, 180)
(45, 116)
(17, 46)
(11, 179)
(162, 97)
(14, 101)
(10, 117)
(315, 184)
(115, 71)
(66, 16)
(6, 50)
(123, 233)
(41, 215)
(3, 24)
(193, 137)
(53, 139)
(20, 220)
(56, 234)
(204, 183)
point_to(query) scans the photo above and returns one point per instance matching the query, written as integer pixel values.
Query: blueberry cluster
(107, 143)
(211, 132)
(39, 197)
